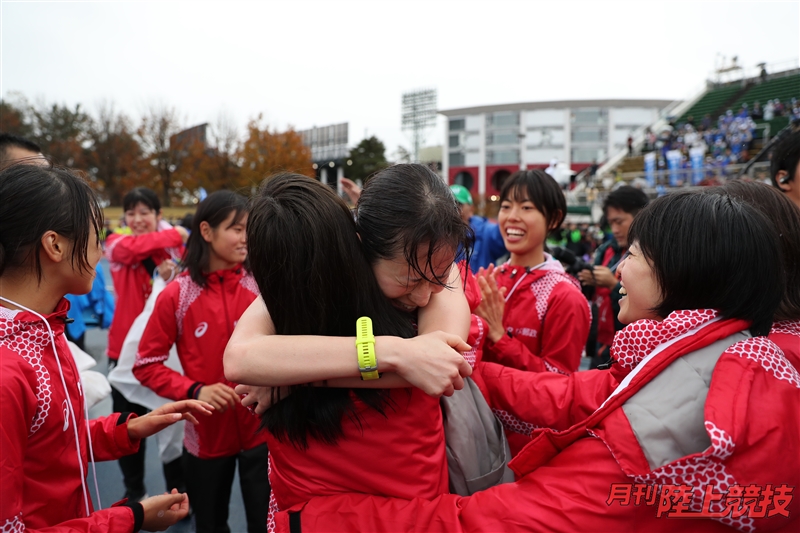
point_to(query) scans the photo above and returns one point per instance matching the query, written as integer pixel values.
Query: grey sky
(309, 63)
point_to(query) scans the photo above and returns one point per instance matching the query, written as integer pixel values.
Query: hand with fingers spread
(165, 510)
(166, 415)
(259, 399)
(433, 362)
(221, 396)
(492, 304)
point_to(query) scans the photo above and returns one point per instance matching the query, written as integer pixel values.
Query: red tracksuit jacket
(548, 319)
(586, 444)
(132, 283)
(199, 321)
(401, 454)
(40, 479)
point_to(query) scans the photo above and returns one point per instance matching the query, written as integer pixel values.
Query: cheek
(391, 289)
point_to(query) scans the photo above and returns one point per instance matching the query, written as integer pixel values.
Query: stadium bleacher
(731, 96)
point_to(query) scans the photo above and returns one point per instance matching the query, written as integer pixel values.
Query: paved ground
(109, 477)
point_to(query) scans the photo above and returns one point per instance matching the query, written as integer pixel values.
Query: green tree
(368, 157)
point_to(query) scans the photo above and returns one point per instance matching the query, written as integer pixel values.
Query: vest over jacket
(597, 430)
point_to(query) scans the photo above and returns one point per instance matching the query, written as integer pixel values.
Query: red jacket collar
(19, 319)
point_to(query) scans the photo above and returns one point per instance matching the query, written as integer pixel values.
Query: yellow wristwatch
(365, 346)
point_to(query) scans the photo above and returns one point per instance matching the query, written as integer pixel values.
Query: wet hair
(215, 209)
(626, 198)
(38, 199)
(315, 280)
(710, 251)
(785, 157)
(141, 195)
(786, 217)
(541, 189)
(405, 209)
(8, 140)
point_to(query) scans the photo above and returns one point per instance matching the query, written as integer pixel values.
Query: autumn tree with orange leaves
(114, 160)
(266, 152)
(213, 161)
(156, 134)
(158, 153)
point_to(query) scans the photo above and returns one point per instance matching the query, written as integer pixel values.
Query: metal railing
(685, 176)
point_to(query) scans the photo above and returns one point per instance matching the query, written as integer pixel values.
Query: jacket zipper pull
(606, 366)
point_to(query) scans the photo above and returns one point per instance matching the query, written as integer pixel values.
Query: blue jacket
(488, 245)
(97, 307)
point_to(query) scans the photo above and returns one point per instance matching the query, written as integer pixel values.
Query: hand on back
(433, 362)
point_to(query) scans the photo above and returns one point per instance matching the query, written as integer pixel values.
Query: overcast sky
(306, 63)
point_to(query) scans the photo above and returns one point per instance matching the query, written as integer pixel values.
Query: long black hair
(214, 209)
(710, 251)
(405, 208)
(314, 278)
(38, 199)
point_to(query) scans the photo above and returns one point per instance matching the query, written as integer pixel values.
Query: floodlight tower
(419, 114)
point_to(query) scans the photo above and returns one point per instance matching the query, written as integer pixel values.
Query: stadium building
(486, 144)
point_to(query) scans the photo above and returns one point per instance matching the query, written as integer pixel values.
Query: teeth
(623, 291)
(515, 232)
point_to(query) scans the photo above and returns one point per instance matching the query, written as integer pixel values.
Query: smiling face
(524, 229)
(141, 219)
(406, 288)
(227, 242)
(640, 291)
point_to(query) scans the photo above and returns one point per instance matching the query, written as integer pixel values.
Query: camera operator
(619, 208)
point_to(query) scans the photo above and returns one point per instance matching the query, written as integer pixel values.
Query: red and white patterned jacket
(40, 476)
(199, 321)
(590, 434)
(132, 282)
(786, 334)
(548, 319)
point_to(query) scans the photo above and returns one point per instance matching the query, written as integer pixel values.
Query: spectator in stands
(758, 113)
(706, 124)
(619, 208)
(779, 108)
(769, 110)
(488, 245)
(785, 167)
(15, 149)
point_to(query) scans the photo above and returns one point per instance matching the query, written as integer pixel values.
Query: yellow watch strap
(365, 347)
